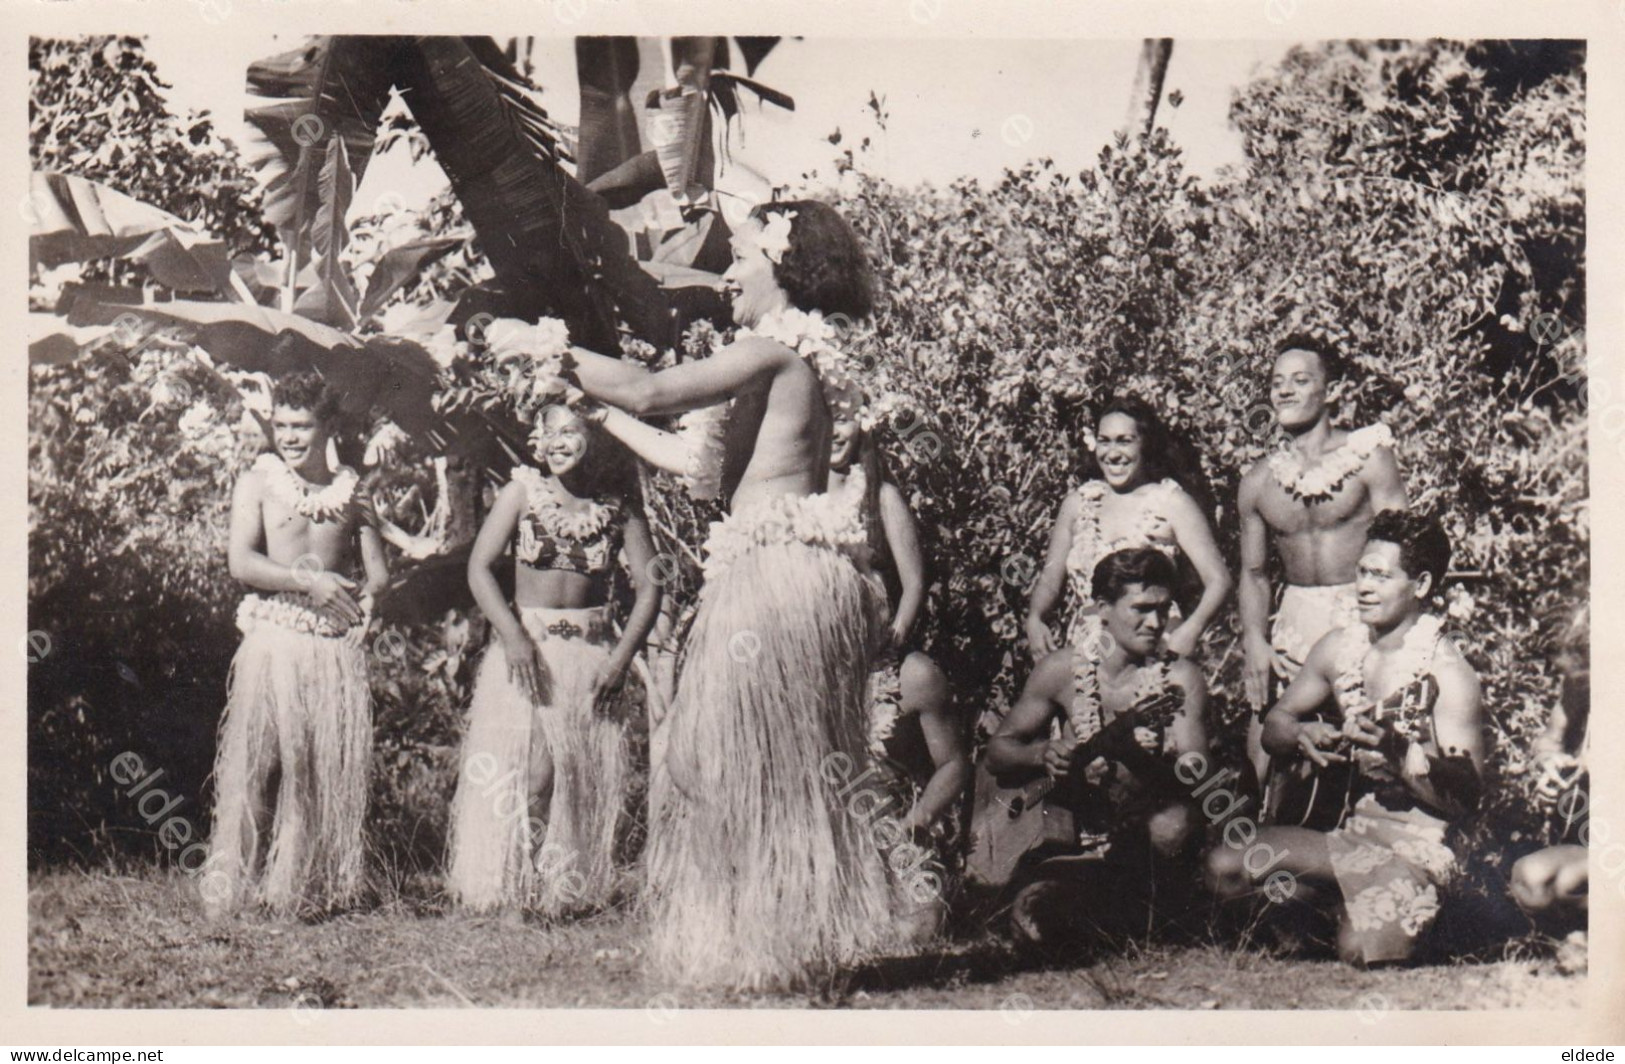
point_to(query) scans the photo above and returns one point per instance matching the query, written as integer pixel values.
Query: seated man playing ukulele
(1104, 721)
(1412, 725)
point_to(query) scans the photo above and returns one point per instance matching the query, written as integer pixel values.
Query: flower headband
(775, 238)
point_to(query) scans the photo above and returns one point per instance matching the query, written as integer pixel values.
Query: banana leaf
(332, 299)
(329, 85)
(543, 232)
(72, 219)
(397, 268)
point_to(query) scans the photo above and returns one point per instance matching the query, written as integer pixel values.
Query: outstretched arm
(669, 452)
(738, 368)
(1195, 539)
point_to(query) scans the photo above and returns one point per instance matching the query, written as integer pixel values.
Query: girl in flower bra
(544, 771)
(1136, 499)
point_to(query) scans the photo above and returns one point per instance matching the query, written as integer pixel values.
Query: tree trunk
(1147, 92)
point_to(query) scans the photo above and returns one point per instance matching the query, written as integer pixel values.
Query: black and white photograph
(569, 519)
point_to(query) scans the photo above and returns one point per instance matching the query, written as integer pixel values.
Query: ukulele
(1041, 814)
(1303, 794)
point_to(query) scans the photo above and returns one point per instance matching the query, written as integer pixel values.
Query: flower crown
(775, 238)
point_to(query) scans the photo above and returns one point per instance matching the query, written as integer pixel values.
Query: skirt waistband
(592, 623)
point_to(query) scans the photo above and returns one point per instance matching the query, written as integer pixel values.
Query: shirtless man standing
(1316, 498)
(299, 707)
(759, 874)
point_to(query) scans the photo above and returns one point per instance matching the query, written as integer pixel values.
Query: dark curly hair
(307, 390)
(1332, 362)
(825, 267)
(1120, 570)
(1423, 545)
(1161, 455)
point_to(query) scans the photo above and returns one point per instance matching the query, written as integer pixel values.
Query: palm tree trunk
(1148, 79)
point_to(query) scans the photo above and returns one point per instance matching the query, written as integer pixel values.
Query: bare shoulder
(1253, 481)
(1052, 677)
(250, 486)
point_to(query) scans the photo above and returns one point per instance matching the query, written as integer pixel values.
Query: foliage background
(1419, 203)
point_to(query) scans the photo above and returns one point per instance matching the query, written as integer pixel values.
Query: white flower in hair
(775, 238)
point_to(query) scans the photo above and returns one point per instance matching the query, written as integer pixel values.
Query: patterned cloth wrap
(1305, 615)
(1390, 858)
(1153, 528)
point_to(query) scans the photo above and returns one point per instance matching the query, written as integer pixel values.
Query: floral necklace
(547, 506)
(1089, 546)
(1322, 480)
(807, 334)
(1415, 657)
(1085, 712)
(326, 503)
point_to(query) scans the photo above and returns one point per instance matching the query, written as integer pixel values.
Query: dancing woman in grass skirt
(758, 874)
(544, 772)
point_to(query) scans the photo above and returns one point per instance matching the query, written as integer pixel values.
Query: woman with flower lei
(1142, 496)
(759, 873)
(545, 768)
(1411, 724)
(917, 740)
(298, 707)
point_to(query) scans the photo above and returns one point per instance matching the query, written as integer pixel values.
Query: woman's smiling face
(563, 440)
(1118, 450)
(750, 283)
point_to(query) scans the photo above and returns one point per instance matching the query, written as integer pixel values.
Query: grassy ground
(138, 941)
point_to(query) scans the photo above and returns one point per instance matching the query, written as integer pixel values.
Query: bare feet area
(104, 940)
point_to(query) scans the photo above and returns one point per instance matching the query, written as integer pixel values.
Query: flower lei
(829, 520)
(1084, 714)
(807, 334)
(291, 612)
(547, 506)
(1322, 480)
(1088, 547)
(1416, 655)
(327, 503)
(529, 362)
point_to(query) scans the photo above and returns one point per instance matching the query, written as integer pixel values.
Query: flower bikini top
(552, 537)
(1152, 529)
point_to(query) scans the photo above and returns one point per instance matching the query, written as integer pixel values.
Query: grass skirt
(503, 856)
(297, 707)
(759, 874)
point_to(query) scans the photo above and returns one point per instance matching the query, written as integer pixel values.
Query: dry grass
(138, 940)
